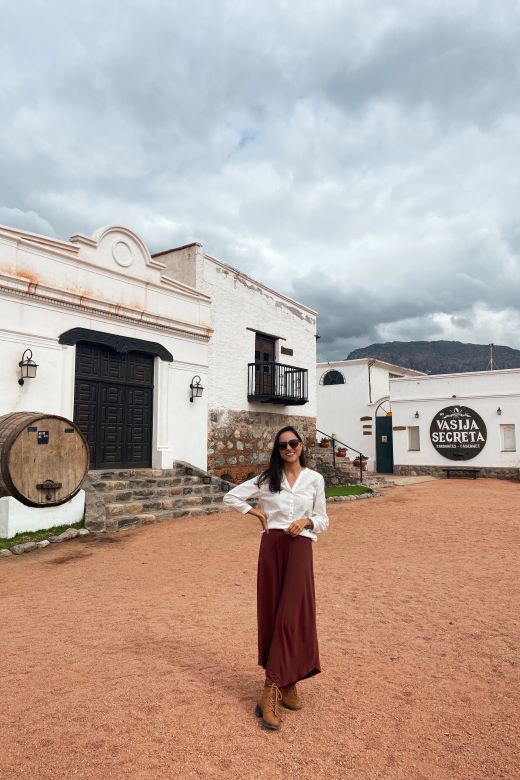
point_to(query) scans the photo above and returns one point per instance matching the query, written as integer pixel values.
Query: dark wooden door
(264, 365)
(113, 405)
(384, 445)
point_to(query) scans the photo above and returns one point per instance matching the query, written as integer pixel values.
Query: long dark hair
(274, 472)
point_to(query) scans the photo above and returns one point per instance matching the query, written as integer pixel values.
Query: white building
(354, 404)
(262, 362)
(465, 420)
(117, 342)
(123, 339)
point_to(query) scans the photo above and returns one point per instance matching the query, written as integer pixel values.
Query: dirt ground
(134, 655)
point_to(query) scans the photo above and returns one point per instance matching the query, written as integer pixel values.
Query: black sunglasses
(292, 443)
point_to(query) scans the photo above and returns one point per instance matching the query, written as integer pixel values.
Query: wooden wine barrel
(43, 458)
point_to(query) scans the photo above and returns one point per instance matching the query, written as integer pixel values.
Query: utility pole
(370, 364)
(491, 365)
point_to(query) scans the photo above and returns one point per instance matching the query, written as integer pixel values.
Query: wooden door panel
(110, 456)
(87, 361)
(264, 368)
(140, 369)
(113, 405)
(264, 348)
(139, 424)
(113, 365)
(85, 413)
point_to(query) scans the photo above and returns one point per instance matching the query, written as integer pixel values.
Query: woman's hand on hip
(297, 527)
(261, 516)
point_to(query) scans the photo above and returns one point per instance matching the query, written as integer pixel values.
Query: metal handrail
(346, 446)
(273, 382)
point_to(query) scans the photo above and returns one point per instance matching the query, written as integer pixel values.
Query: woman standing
(292, 510)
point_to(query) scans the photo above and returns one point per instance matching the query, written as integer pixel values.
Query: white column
(68, 372)
(161, 432)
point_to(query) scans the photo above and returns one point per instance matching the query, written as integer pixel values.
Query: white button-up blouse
(305, 499)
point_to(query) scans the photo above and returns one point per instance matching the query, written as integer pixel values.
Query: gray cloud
(359, 156)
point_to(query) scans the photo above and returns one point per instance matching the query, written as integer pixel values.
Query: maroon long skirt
(287, 637)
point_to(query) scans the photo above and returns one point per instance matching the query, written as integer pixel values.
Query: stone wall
(438, 471)
(240, 442)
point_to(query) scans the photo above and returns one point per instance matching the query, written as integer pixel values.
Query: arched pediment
(118, 248)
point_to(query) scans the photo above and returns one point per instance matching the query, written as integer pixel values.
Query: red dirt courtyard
(133, 655)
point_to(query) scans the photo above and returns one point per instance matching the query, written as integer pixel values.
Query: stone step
(339, 461)
(346, 469)
(326, 454)
(168, 491)
(151, 482)
(159, 504)
(133, 497)
(179, 469)
(104, 474)
(149, 518)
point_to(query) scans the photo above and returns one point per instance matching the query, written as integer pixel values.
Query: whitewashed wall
(107, 283)
(484, 392)
(240, 306)
(341, 407)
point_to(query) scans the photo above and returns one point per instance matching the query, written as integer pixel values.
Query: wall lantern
(499, 410)
(196, 388)
(416, 415)
(27, 367)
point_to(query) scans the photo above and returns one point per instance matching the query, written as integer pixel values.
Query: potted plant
(341, 452)
(324, 443)
(357, 461)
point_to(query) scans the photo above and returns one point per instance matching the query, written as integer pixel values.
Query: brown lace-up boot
(267, 707)
(290, 698)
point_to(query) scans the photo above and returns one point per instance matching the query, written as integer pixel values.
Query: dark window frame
(335, 372)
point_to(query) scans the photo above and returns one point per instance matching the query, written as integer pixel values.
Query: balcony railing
(276, 383)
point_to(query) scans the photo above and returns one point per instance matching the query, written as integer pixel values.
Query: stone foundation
(437, 471)
(240, 443)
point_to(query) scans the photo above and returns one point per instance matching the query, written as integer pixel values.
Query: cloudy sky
(360, 156)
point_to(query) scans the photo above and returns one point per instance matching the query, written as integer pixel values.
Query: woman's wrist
(309, 524)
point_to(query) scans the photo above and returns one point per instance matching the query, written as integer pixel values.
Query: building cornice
(69, 253)
(490, 372)
(17, 287)
(36, 239)
(250, 280)
(453, 400)
(411, 372)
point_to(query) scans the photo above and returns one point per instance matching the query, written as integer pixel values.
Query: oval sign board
(458, 433)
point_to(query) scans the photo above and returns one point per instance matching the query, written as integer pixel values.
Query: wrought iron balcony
(276, 383)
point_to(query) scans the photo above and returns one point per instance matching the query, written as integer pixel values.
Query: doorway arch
(384, 438)
(113, 396)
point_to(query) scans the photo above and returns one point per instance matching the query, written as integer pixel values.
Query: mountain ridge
(440, 357)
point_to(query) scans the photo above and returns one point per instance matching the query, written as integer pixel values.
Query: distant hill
(440, 357)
